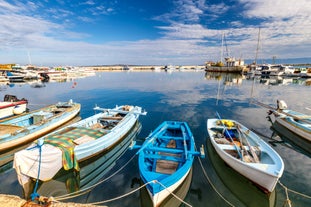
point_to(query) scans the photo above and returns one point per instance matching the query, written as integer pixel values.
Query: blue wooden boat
(293, 123)
(22, 129)
(67, 147)
(165, 159)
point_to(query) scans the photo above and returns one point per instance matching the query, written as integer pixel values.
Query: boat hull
(164, 167)
(258, 177)
(67, 147)
(296, 136)
(159, 197)
(296, 127)
(264, 173)
(26, 135)
(90, 173)
(8, 109)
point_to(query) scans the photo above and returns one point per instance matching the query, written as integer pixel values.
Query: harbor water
(182, 96)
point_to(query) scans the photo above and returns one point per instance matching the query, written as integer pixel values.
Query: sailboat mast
(256, 56)
(29, 59)
(222, 46)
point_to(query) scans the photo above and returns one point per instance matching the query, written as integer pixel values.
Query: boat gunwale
(278, 163)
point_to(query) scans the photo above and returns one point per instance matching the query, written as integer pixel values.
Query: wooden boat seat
(83, 139)
(111, 118)
(227, 147)
(169, 137)
(97, 126)
(167, 166)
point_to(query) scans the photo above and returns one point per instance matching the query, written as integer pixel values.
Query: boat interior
(231, 141)
(167, 155)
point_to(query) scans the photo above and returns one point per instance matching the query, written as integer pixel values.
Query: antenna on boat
(29, 58)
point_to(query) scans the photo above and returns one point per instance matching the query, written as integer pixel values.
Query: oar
(185, 143)
(236, 147)
(149, 139)
(254, 155)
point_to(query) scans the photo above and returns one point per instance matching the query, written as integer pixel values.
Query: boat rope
(121, 196)
(287, 201)
(35, 195)
(86, 190)
(173, 194)
(210, 182)
(135, 190)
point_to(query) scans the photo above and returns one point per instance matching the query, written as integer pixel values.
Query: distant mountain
(299, 61)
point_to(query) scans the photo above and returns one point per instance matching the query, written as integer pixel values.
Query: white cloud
(285, 32)
(277, 9)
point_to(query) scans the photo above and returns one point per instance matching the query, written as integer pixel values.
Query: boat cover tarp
(26, 163)
(57, 152)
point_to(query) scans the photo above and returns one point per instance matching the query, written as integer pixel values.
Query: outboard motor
(281, 104)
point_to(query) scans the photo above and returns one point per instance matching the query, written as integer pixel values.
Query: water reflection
(226, 78)
(282, 80)
(248, 193)
(91, 171)
(298, 143)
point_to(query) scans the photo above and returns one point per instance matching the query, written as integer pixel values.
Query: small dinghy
(165, 159)
(295, 124)
(246, 153)
(22, 129)
(66, 148)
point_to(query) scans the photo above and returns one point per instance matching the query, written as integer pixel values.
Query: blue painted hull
(166, 158)
(22, 129)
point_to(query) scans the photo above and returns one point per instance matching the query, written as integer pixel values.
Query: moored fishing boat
(75, 143)
(24, 128)
(246, 153)
(165, 159)
(90, 174)
(296, 124)
(11, 105)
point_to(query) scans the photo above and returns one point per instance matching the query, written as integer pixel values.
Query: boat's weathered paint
(264, 173)
(295, 123)
(26, 129)
(12, 106)
(155, 148)
(108, 128)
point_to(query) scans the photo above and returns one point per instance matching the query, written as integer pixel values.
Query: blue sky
(151, 32)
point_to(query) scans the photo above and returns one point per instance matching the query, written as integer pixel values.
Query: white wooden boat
(165, 159)
(75, 143)
(91, 171)
(295, 124)
(22, 129)
(11, 105)
(246, 153)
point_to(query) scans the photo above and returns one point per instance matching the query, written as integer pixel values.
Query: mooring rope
(85, 190)
(35, 194)
(121, 196)
(287, 201)
(135, 190)
(173, 194)
(210, 182)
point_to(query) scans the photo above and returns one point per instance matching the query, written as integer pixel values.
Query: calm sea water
(185, 96)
